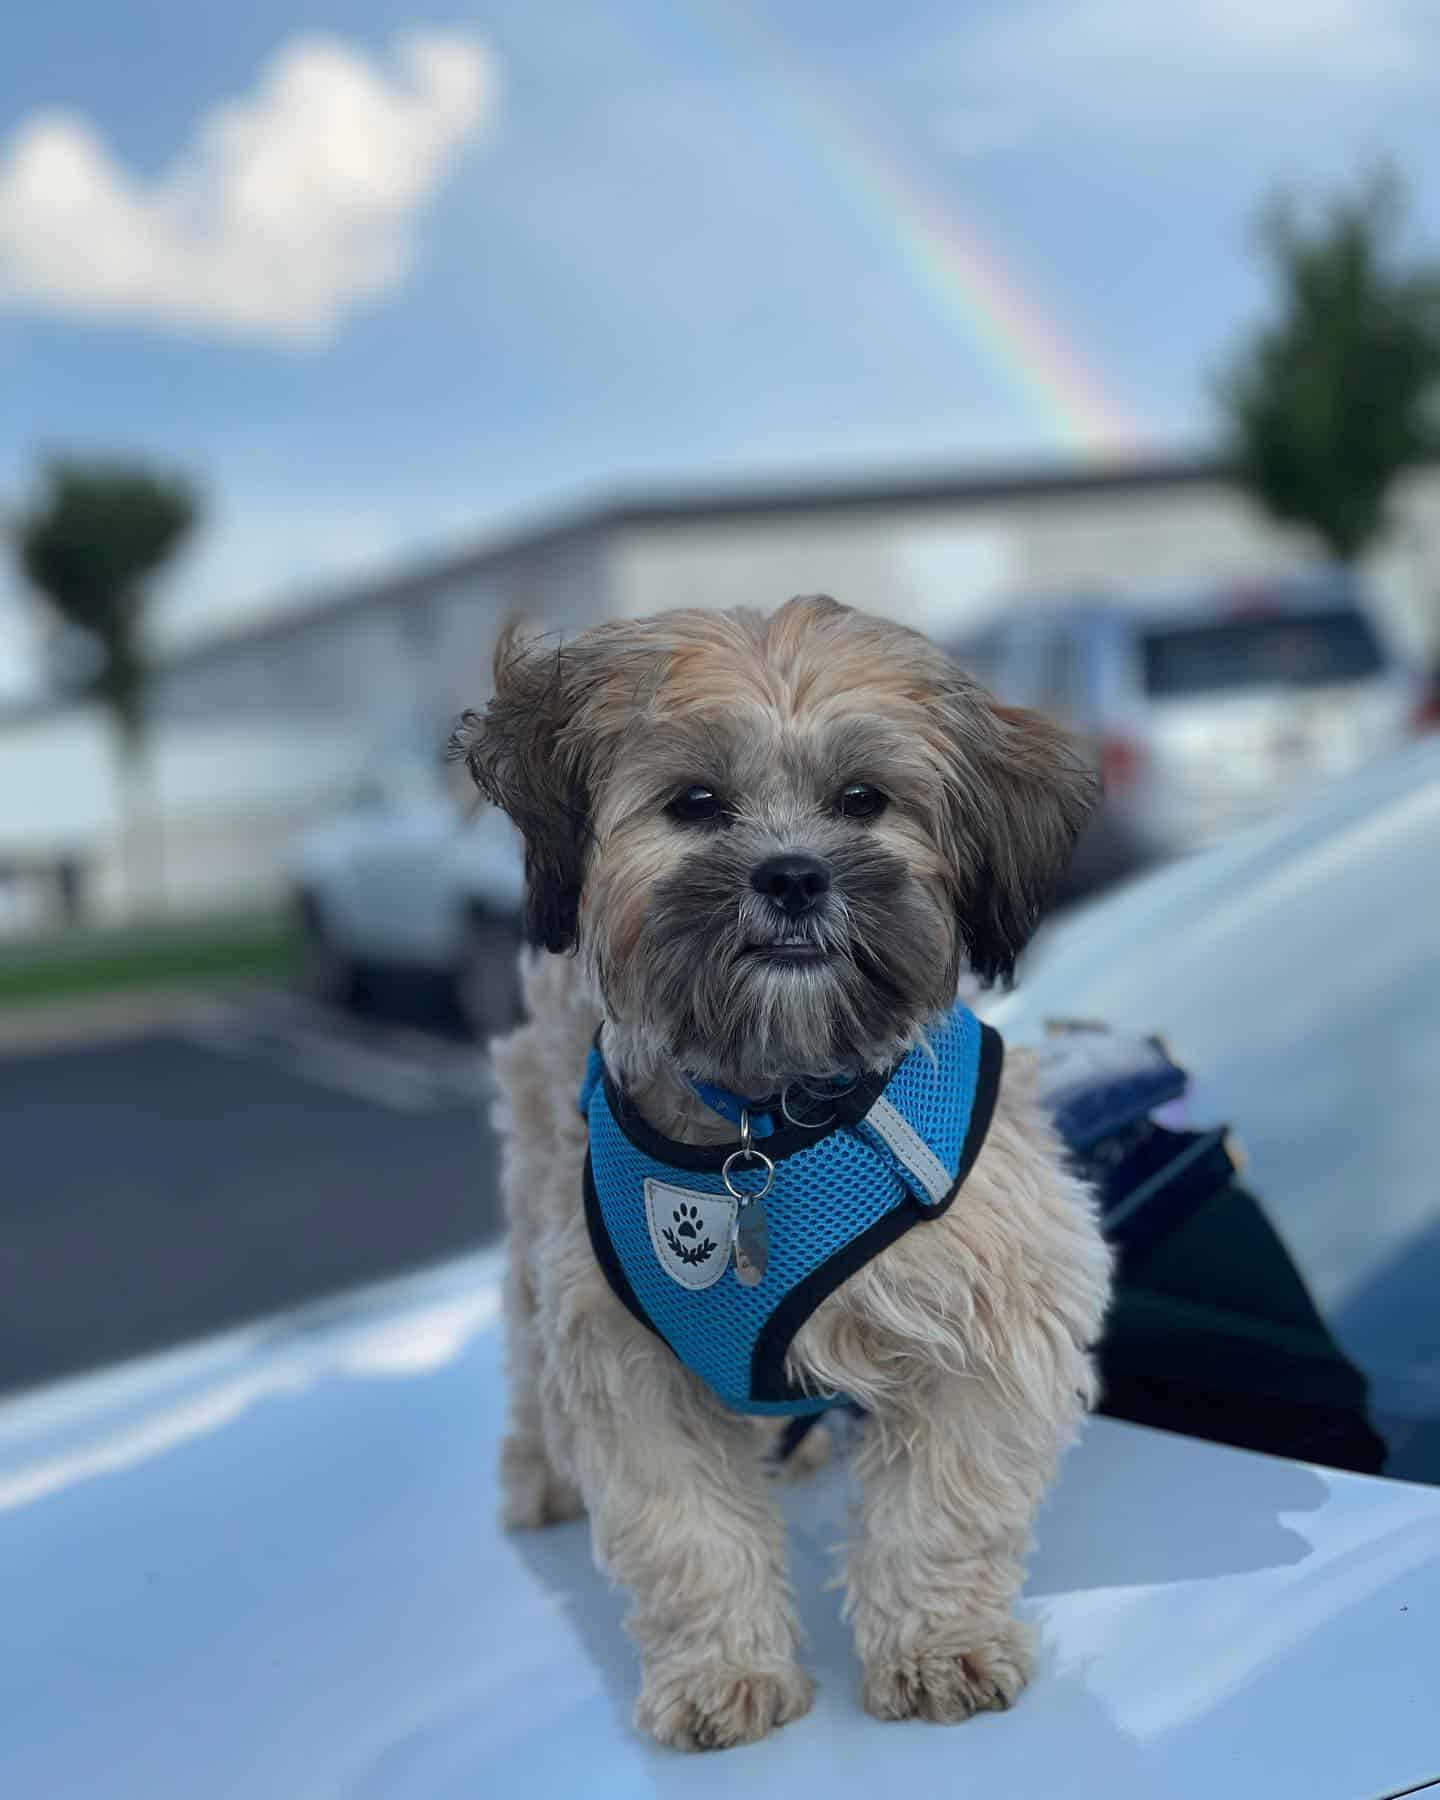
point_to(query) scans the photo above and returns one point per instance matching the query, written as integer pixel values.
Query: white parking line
(458, 1071)
(403, 1070)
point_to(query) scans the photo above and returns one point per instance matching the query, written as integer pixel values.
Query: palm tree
(90, 544)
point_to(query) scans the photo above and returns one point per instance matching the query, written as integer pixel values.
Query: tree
(1331, 400)
(90, 544)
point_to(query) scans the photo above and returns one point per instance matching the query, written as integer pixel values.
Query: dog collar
(764, 1114)
(664, 1216)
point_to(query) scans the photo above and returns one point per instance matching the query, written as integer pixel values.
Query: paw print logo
(685, 1240)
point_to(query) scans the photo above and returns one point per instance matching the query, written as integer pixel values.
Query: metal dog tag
(751, 1236)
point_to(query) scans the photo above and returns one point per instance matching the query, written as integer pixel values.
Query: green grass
(192, 953)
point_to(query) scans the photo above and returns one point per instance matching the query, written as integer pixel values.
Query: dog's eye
(858, 801)
(697, 806)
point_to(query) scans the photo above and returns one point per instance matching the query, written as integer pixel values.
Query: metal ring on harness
(740, 1194)
(747, 1153)
(804, 1124)
(835, 1092)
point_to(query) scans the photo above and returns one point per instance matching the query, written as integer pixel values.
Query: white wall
(229, 800)
(923, 566)
(944, 567)
(58, 786)
(256, 739)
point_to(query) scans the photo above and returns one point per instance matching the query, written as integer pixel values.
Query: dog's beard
(702, 988)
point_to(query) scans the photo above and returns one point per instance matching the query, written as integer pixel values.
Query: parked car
(268, 1565)
(1208, 717)
(417, 883)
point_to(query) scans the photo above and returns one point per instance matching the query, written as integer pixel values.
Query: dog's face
(776, 841)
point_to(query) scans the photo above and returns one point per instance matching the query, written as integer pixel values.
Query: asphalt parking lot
(234, 1160)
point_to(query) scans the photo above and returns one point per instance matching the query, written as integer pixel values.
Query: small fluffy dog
(778, 845)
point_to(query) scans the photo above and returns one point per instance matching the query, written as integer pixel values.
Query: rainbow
(945, 256)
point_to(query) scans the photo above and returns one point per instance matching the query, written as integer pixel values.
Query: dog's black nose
(795, 882)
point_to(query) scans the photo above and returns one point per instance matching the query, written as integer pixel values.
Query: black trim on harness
(982, 1107)
(614, 1272)
(768, 1380)
(609, 1260)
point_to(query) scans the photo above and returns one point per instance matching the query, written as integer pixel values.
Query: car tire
(487, 982)
(324, 972)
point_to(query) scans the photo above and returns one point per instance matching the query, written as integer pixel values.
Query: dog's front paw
(531, 1493)
(710, 1706)
(946, 1677)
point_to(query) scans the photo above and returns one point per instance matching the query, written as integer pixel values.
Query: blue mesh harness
(893, 1153)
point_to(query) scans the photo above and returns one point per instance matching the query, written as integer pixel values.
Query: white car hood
(268, 1567)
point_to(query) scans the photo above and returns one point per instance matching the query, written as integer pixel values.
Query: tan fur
(966, 1341)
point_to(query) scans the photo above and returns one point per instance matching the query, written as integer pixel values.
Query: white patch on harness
(910, 1148)
(690, 1232)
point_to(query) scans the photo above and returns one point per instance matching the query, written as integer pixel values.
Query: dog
(762, 854)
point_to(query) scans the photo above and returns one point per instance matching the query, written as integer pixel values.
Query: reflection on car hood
(1296, 975)
(268, 1567)
(1133, 930)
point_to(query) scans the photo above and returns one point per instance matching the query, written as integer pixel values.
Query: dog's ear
(1020, 794)
(523, 760)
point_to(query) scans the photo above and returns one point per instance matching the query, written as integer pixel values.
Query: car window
(1057, 690)
(1299, 982)
(1296, 650)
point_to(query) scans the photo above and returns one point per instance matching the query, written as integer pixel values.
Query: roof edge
(629, 509)
(756, 499)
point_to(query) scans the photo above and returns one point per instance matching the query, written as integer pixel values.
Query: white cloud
(1109, 59)
(289, 207)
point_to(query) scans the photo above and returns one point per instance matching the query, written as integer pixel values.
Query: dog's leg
(532, 1491)
(949, 1491)
(681, 1517)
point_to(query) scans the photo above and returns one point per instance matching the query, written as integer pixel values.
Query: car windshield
(1315, 649)
(1297, 978)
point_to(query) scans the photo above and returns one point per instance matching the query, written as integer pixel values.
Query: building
(260, 731)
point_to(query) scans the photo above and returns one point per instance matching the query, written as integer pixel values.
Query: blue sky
(382, 275)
